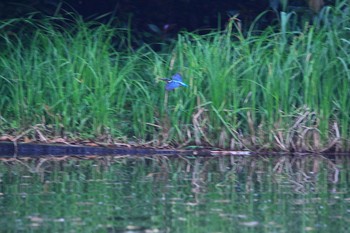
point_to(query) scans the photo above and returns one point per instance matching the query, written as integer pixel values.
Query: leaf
(154, 28)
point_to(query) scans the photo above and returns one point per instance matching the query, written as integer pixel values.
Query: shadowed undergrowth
(285, 89)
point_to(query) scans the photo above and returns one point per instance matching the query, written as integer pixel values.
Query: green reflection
(175, 194)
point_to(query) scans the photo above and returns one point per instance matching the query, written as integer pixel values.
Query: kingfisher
(174, 82)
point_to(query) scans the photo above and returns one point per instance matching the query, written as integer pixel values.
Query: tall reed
(284, 89)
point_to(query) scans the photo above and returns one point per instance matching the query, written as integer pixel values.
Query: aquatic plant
(277, 89)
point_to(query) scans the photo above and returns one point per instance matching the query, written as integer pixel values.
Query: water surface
(175, 194)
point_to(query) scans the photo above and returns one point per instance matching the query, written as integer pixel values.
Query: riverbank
(281, 89)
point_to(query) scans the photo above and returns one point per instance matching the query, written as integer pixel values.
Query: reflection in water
(175, 194)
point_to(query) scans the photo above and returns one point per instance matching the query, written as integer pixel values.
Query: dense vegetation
(285, 88)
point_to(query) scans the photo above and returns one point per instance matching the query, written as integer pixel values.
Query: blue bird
(174, 82)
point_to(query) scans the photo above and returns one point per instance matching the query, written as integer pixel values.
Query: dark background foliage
(155, 15)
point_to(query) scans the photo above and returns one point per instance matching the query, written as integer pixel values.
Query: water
(175, 194)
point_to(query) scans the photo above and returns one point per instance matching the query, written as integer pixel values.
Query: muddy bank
(34, 149)
(10, 149)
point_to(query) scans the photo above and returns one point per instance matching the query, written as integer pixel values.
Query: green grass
(285, 89)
